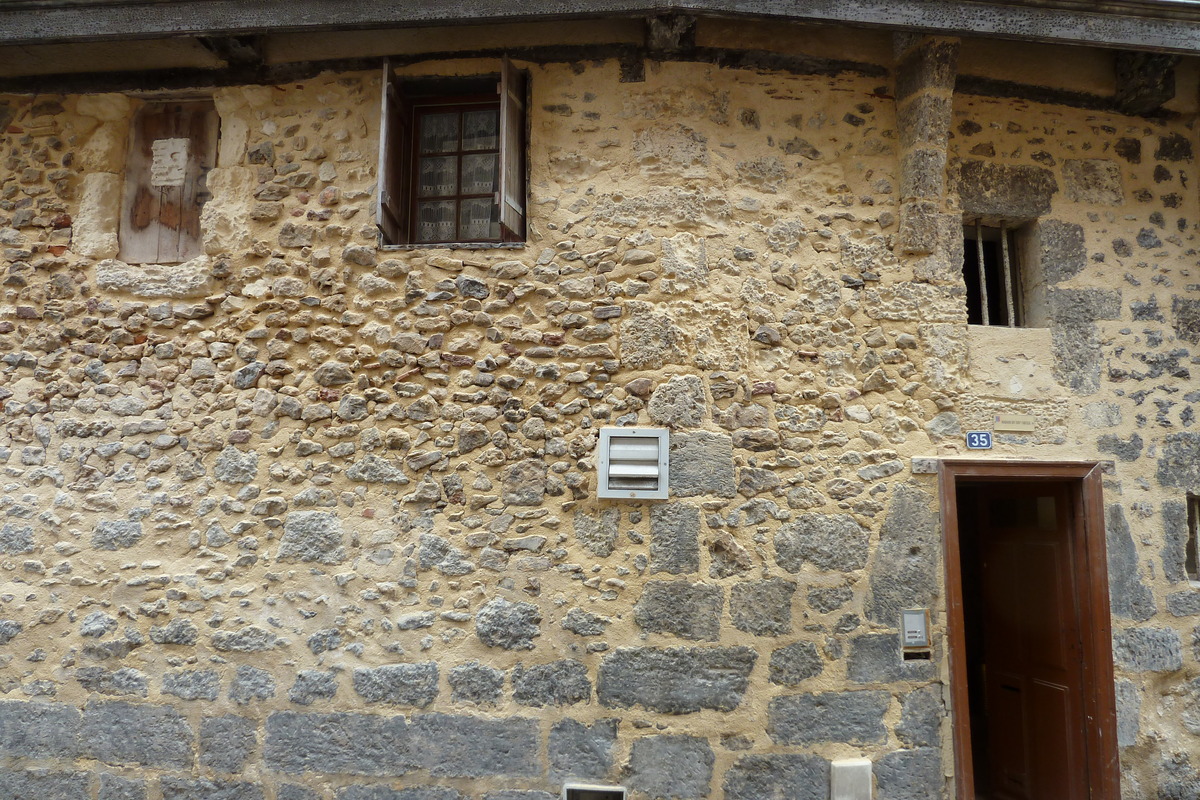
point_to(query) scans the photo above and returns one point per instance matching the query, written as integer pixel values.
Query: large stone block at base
(910, 775)
(134, 733)
(43, 785)
(677, 680)
(848, 717)
(38, 730)
(1148, 649)
(187, 789)
(778, 777)
(470, 747)
(671, 767)
(355, 744)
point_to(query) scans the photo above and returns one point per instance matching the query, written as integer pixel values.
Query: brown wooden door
(1031, 652)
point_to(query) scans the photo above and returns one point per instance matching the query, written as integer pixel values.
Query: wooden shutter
(391, 213)
(511, 197)
(173, 146)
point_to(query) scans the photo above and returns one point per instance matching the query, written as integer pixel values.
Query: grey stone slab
(1095, 181)
(702, 464)
(39, 730)
(581, 752)
(876, 658)
(1062, 250)
(827, 541)
(43, 785)
(251, 683)
(763, 608)
(114, 787)
(794, 663)
(116, 534)
(558, 683)
(310, 536)
(687, 610)
(824, 600)
(117, 732)
(124, 681)
(910, 775)
(508, 625)
(227, 743)
(681, 402)
(192, 684)
(1184, 604)
(1004, 190)
(524, 483)
(407, 793)
(1148, 649)
(353, 744)
(16, 539)
(1175, 535)
(677, 680)
(312, 685)
(291, 791)
(907, 565)
(1179, 462)
(921, 714)
(671, 766)
(473, 747)
(398, 684)
(200, 789)
(234, 466)
(248, 639)
(847, 717)
(1129, 708)
(475, 682)
(597, 533)
(675, 538)
(785, 776)
(584, 623)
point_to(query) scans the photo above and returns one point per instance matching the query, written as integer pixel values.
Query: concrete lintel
(1128, 24)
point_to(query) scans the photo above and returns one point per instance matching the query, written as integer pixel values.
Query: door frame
(1087, 539)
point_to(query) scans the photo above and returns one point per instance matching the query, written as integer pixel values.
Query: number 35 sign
(979, 440)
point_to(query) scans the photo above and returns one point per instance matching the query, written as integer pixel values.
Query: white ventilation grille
(633, 463)
(579, 791)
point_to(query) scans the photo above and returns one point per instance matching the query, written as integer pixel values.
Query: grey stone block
(16, 539)
(907, 565)
(376, 469)
(117, 732)
(1175, 536)
(38, 730)
(524, 483)
(1003, 190)
(795, 663)
(676, 681)
(249, 639)
(9, 628)
(597, 533)
(584, 623)
(1148, 649)
(827, 541)
(113, 787)
(199, 684)
(875, 658)
(1063, 253)
(398, 684)
(471, 747)
(847, 717)
(474, 682)
(581, 752)
(910, 775)
(702, 464)
(233, 466)
(312, 536)
(124, 681)
(1179, 464)
(1093, 180)
(558, 683)
(1128, 596)
(226, 743)
(324, 640)
(687, 610)
(1177, 778)
(290, 791)
(1184, 604)
(251, 683)
(312, 685)
(193, 789)
(1124, 449)
(921, 717)
(43, 785)
(518, 794)
(1186, 314)
(763, 608)
(672, 766)
(436, 552)
(674, 538)
(177, 631)
(1129, 708)
(778, 777)
(824, 600)
(681, 402)
(354, 744)
(511, 626)
(116, 534)
(407, 793)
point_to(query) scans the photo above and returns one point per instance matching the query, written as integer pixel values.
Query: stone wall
(306, 518)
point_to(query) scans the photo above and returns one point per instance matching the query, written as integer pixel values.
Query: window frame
(1007, 266)
(1191, 546)
(397, 180)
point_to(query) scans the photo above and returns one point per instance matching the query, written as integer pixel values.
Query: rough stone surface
(355, 744)
(1129, 711)
(785, 776)
(795, 663)
(908, 558)
(312, 536)
(687, 610)
(43, 784)
(921, 716)
(763, 608)
(875, 658)
(511, 626)
(116, 535)
(312, 685)
(117, 732)
(558, 683)
(849, 717)
(251, 683)
(1128, 595)
(675, 681)
(113, 787)
(192, 684)
(226, 743)
(597, 533)
(234, 466)
(474, 682)
(679, 403)
(910, 774)
(827, 541)
(469, 747)
(1063, 253)
(671, 766)
(1179, 464)
(701, 464)
(675, 538)
(1006, 191)
(202, 789)
(1148, 649)
(581, 752)
(398, 684)
(38, 730)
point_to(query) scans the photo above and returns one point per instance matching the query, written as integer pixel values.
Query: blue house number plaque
(979, 440)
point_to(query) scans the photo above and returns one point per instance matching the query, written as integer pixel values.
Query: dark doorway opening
(1031, 663)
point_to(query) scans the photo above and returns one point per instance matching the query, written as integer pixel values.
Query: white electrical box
(633, 463)
(579, 791)
(850, 779)
(914, 625)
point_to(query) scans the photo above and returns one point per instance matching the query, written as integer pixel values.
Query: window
(452, 159)
(1191, 553)
(173, 145)
(993, 280)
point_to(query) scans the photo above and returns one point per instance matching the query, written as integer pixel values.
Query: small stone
(312, 685)
(398, 684)
(511, 626)
(558, 683)
(795, 663)
(476, 683)
(763, 608)
(251, 683)
(333, 373)
(234, 466)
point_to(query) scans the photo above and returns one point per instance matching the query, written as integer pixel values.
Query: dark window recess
(992, 277)
(1191, 556)
(593, 793)
(452, 159)
(172, 147)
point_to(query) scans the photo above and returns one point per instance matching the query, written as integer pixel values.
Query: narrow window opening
(991, 274)
(1191, 562)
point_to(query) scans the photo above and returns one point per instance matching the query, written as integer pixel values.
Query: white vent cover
(633, 463)
(580, 791)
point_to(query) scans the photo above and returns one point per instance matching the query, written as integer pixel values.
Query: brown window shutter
(173, 145)
(512, 152)
(391, 213)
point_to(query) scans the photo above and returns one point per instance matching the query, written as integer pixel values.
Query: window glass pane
(439, 177)
(439, 133)
(479, 220)
(435, 221)
(481, 130)
(479, 173)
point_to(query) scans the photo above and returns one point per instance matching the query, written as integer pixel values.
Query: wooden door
(1031, 655)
